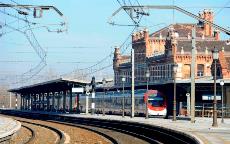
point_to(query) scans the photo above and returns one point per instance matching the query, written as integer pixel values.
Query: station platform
(202, 128)
(8, 127)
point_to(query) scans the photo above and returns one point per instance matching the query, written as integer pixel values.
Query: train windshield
(156, 101)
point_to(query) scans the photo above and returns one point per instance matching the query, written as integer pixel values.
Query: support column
(21, 104)
(34, 101)
(188, 104)
(78, 104)
(70, 100)
(40, 101)
(16, 101)
(30, 101)
(87, 104)
(43, 101)
(64, 100)
(58, 101)
(48, 101)
(26, 102)
(53, 94)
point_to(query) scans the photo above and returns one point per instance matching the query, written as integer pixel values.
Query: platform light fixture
(222, 100)
(123, 99)
(175, 67)
(147, 74)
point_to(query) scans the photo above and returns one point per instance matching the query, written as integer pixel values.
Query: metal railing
(206, 110)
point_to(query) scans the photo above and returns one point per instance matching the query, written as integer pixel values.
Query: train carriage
(112, 102)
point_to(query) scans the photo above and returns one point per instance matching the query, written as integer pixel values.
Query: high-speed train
(156, 102)
(112, 102)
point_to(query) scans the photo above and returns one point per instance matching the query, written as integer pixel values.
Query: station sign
(210, 97)
(93, 94)
(93, 105)
(78, 90)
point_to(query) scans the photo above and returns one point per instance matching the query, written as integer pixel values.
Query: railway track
(60, 134)
(31, 139)
(148, 133)
(112, 136)
(119, 131)
(37, 131)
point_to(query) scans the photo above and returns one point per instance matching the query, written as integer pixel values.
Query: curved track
(148, 133)
(60, 134)
(31, 139)
(38, 131)
(131, 132)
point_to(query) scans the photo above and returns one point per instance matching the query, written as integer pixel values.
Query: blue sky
(89, 38)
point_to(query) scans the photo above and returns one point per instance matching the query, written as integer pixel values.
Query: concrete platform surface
(8, 127)
(202, 128)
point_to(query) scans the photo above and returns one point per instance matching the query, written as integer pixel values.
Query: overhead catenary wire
(102, 60)
(40, 25)
(34, 43)
(130, 15)
(221, 9)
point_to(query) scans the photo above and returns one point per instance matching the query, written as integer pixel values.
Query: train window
(156, 102)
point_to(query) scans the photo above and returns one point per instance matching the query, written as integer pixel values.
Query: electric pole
(132, 96)
(193, 75)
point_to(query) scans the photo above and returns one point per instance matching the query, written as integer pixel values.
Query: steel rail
(145, 132)
(32, 133)
(60, 133)
(149, 133)
(114, 141)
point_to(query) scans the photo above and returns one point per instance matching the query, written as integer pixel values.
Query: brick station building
(160, 50)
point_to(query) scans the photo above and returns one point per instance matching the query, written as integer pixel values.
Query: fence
(206, 110)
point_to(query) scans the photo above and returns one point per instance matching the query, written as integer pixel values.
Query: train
(112, 102)
(156, 103)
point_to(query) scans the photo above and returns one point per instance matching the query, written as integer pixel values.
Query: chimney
(116, 58)
(207, 15)
(217, 34)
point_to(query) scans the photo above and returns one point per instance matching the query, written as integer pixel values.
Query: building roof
(55, 85)
(201, 45)
(182, 29)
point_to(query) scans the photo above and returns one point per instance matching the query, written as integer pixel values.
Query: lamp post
(175, 66)
(103, 110)
(123, 99)
(222, 101)
(215, 56)
(147, 74)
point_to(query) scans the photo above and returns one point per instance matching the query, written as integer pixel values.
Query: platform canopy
(50, 86)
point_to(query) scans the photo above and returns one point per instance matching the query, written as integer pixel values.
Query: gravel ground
(21, 136)
(73, 135)
(43, 135)
(78, 135)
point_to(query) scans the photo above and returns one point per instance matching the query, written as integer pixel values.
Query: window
(186, 71)
(200, 70)
(163, 69)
